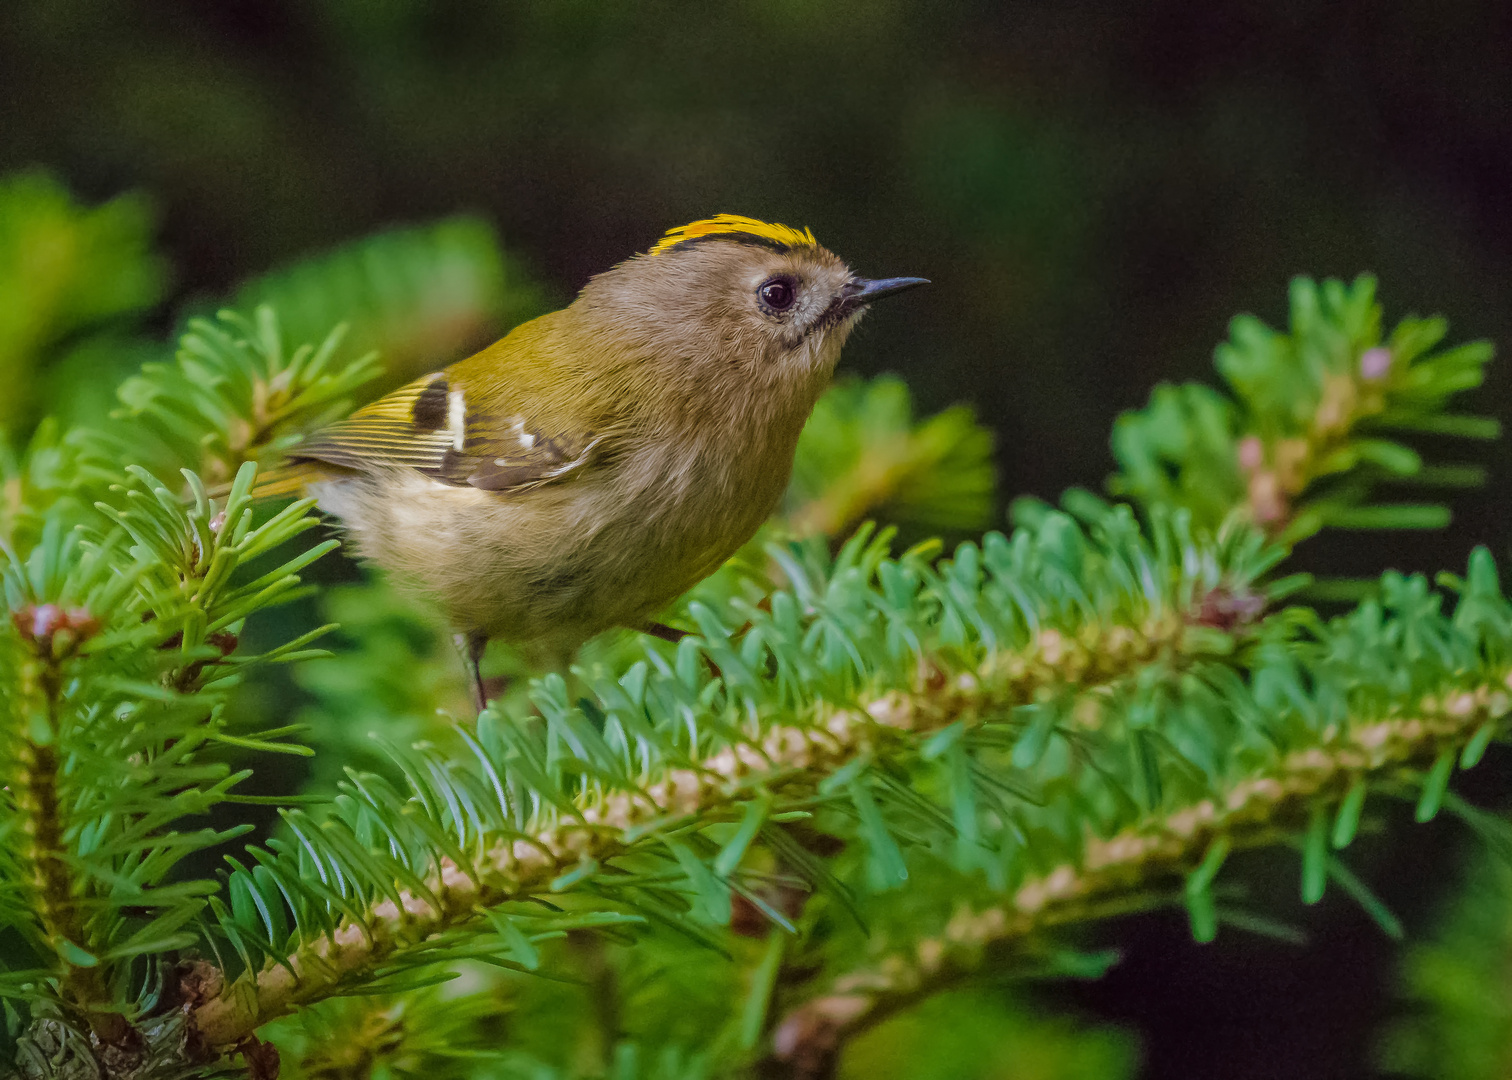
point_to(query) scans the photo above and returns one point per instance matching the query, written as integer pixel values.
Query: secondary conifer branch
(789, 761)
(1279, 470)
(51, 635)
(1150, 856)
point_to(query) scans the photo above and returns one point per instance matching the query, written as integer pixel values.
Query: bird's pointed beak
(864, 290)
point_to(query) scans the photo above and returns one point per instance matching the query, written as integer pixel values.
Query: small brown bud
(1225, 608)
(38, 621)
(53, 631)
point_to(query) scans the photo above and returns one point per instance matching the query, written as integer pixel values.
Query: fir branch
(789, 761)
(1149, 857)
(1299, 445)
(50, 637)
(786, 762)
(236, 393)
(117, 659)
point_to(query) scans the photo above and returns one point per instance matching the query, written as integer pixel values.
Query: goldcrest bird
(597, 462)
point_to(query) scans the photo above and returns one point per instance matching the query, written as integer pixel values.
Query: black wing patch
(429, 410)
(428, 426)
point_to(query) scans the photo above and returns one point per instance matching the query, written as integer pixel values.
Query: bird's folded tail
(283, 482)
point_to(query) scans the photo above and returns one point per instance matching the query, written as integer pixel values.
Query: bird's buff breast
(550, 567)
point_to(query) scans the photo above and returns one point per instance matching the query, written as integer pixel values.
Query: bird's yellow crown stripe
(734, 225)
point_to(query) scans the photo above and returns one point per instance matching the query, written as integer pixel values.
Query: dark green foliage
(73, 279)
(419, 296)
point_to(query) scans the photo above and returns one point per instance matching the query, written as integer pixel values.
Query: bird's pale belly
(550, 567)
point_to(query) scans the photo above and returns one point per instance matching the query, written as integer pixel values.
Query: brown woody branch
(793, 757)
(51, 635)
(1149, 856)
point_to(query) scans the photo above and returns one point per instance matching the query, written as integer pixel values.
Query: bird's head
(734, 296)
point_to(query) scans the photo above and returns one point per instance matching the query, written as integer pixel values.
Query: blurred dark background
(1095, 188)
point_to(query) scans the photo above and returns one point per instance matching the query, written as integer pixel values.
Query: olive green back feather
(448, 427)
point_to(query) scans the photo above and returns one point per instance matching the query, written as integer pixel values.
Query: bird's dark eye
(778, 294)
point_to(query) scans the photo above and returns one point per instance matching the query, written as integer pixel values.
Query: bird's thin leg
(472, 647)
(674, 635)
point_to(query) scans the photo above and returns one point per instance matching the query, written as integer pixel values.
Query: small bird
(598, 461)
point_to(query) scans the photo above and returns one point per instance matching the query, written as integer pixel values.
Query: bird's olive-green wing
(431, 427)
